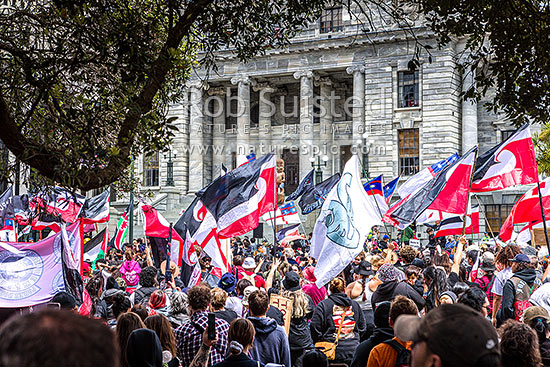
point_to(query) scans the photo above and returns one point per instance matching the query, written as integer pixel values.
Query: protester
(338, 311)
(241, 339)
(317, 294)
(475, 298)
(161, 326)
(392, 352)
(65, 300)
(390, 288)
(126, 324)
(537, 318)
(53, 338)
(130, 270)
(217, 306)
(147, 285)
(314, 358)
(178, 309)
(503, 265)
(361, 291)
(249, 266)
(144, 349)
(189, 335)
(519, 345)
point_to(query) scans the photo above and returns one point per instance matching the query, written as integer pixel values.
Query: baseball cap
(227, 282)
(364, 268)
(535, 312)
(459, 335)
(249, 263)
(291, 282)
(520, 258)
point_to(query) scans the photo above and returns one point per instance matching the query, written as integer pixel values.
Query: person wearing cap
(538, 319)
(308, 286)
(387, 352)
(450, 336)
(485, 279)
(299, 337)
(248, 268)
(228, 283)
(361, 291)
(390, 288)
(517, 289)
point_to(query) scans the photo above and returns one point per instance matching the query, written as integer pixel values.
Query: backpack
(403, 354)
(521, 301)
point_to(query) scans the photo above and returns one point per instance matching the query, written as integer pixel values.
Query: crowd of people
(451, 302)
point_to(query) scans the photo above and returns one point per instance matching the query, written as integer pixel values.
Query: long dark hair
(437, 285)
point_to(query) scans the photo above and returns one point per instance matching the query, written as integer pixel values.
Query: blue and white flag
(375, 189)
(417, 181)
(389, 189)
(346, 218)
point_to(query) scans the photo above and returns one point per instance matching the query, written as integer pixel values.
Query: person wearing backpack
(517, 289)
(394, 352)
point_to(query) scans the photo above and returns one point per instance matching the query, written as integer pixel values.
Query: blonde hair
(300, 304)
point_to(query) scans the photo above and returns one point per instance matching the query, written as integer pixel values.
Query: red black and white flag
(527, 209)
(238, 199)
(97, 209)
(59, 202)
(157, 226)
(453, 225)
(509, 163)
(447, 192)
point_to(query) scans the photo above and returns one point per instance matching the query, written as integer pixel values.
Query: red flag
(473, 273)
(157, 226)
(105, 242)
(527, 209)
(510, 163)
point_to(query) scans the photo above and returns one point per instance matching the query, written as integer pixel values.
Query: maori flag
(97, 209)
(315, 196)
(305, 185)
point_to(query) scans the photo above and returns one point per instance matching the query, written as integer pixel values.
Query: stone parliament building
(333, 91)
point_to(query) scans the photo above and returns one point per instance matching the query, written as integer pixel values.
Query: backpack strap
(395, 345)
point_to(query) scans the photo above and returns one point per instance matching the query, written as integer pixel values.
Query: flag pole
(485, 216)
(542, 214)
(274, 249)
(468, 197)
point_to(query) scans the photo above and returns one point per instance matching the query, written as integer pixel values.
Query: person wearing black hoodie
(518, 288)
(382, 332)
(327, 317)
(391, 287)
(143, 349)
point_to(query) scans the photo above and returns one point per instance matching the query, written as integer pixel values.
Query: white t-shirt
(500, 279)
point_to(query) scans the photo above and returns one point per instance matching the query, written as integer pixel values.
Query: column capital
(310, 74)
(264, 86)
(217, 91)
(197, 84)
(242, 78)
(355, 69)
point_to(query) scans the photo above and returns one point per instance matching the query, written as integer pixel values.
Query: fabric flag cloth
(121, 229)
(453, 225)
(288, 231)
(375, 189)
(314, 197)
(32, 273)
(5, 204)
(157, 226)
(509, 163)
(524, 235)
(43, 221)
(198, 227)
(224, 170)
(527, 209)
(96, 244)
(286, 240)
(346, 218)
(285, 214)
(475, 267)
(238, 199)
(447, 191)
(190, 273)
(97, 209)
(25, 230)
(427, 174)
(7, 232)
(20, 209)
(251, 157)
(389, 189)
(58, 202)
(305, 185)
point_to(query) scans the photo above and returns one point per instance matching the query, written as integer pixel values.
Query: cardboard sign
(538, 237)
(414, 243)
(284, 304)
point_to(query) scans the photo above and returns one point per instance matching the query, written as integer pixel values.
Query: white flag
(346, 218)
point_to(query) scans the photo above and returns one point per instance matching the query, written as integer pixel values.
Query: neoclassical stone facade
(323, 97)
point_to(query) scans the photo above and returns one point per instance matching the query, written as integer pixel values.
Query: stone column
(358, 128)
(469, 114)
(218, 130)
(325, 135)
(306, 78)
(243, 116)
(196, 130)
(266, 109)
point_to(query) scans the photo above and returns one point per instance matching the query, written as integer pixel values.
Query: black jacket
(388, 290)
(323, 328)
(509, 294)
(299, 336)
(227, 315)
(362, 352)
(239, 360)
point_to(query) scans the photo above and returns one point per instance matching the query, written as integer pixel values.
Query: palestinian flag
(121, 229)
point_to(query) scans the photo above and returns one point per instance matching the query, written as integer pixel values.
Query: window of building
(409, 152)
(151, 170)
(507, 133)
(331, 20)
(496, 214)
(409, 88)
(231, 111)
(292, 170)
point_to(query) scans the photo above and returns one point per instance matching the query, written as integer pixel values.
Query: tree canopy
(86, 84)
